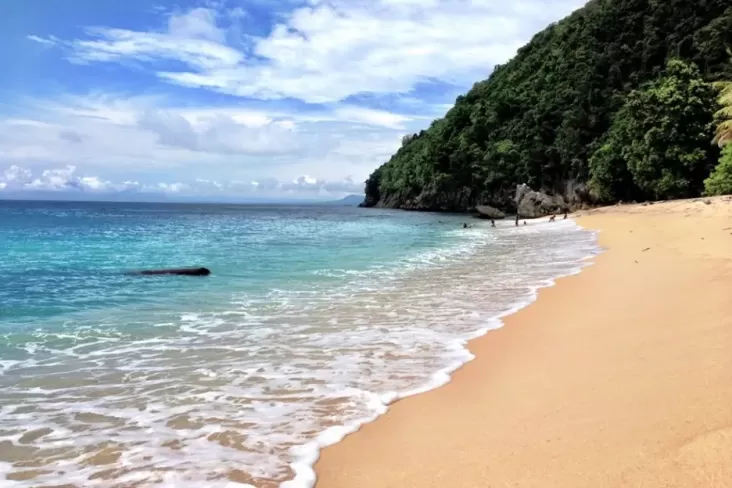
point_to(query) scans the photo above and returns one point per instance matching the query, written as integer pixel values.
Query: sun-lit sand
(620, 376)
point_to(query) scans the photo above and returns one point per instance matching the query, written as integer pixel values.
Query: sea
(313, 321)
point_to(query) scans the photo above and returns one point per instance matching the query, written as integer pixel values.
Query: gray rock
(488, 212)
(521, 191)
(576, 193)
(534, 204)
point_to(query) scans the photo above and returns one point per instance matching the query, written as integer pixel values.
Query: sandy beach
(618, 376)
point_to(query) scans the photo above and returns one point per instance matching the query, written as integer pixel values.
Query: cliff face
(538, 119)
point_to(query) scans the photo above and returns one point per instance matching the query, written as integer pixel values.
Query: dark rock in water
(175, 271)
(534, 204)
(488, 212)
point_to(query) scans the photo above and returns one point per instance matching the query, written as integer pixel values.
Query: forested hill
(540, 118)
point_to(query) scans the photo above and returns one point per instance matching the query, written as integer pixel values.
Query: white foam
(307, 455)
(263, 385)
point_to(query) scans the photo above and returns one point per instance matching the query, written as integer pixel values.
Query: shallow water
(314, 319)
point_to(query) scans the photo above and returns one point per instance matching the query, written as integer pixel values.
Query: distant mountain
(349, 201)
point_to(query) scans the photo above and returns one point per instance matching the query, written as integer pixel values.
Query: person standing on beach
(517, 219)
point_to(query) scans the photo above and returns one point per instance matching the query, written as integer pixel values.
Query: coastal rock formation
(488, 212)
(534, 204)
(521, 191)
(428, 200)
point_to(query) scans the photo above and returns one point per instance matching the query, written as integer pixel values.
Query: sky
(236, 98)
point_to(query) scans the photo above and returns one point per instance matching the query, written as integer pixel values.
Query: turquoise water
(313, 320)
(68, 257)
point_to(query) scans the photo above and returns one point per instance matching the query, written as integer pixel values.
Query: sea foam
(247, 392)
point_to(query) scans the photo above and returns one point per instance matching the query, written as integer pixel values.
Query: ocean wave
(250, 389)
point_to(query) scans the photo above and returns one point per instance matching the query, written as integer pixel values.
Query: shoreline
(516, 415)
(307, 455)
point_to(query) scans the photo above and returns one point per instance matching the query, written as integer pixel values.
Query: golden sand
(620, 376)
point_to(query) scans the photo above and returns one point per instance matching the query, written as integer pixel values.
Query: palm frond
(724, 133)
(724, 130)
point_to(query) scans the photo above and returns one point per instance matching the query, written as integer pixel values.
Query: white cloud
(173, 187)
(17, 175)
(328, 51)
(323, 52)
(370, 117)
(199, 23)
(115, 136)
(192, 38)
(46, 42)
(58, 180)
(68, 178)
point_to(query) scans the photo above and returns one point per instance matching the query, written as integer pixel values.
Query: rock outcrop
(534, 204)
(428, 200)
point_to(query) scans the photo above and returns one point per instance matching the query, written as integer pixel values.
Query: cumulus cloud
(16, 178)
(16, 175)
(329, 51)
(308, 184)
(68, 178)
(57, 179)
(173, 187)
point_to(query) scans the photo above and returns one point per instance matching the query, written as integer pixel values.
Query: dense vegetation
(576, 106)
(724, 116)
(720, 181)
(659, 144)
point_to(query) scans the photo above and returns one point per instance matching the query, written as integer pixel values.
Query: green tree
(555, 102)
(724, 130)
(660, 136)
(611, 180)
(720, 181)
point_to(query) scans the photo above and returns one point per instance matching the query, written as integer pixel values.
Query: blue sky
(257, 98)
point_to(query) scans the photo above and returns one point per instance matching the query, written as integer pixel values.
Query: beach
(618, 376)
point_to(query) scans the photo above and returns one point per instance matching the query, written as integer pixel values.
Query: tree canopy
(724, 130)
(542, 117)
(720, 181)
(658, 146)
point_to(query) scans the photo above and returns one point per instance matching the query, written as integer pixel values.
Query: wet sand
(619, 376)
